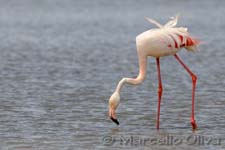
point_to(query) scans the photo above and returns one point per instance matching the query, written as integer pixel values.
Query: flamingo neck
(139, 79)
(120, 85)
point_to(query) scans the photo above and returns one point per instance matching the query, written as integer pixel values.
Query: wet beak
(115, 121)
(112, 116)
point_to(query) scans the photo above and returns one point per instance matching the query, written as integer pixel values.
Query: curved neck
(142, 60)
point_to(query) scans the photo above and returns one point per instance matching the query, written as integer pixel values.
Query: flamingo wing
(174, 37)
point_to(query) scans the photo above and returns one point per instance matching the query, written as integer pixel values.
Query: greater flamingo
(162, 41)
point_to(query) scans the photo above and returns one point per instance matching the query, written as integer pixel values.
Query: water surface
(61, 60)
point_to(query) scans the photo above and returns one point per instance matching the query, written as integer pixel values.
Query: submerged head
(114, 101)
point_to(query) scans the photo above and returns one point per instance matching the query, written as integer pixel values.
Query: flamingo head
(114, 101)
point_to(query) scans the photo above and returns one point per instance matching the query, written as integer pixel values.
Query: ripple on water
(61, 60)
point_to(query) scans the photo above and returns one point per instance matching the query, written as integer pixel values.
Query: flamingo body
(165, 41)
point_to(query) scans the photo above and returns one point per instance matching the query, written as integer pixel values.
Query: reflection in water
(61, 60)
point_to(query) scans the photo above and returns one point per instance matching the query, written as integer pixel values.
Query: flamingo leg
(160, 90)
(194, 80)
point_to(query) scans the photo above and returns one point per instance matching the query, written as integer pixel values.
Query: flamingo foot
(194, 124)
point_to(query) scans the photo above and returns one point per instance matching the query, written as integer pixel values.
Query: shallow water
(61, 60)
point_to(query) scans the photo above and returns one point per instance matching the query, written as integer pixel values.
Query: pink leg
(194, 80)
(160, 90)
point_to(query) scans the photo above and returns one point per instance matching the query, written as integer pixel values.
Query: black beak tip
(115, 121)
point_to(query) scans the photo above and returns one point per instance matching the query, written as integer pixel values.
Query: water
(61, 60)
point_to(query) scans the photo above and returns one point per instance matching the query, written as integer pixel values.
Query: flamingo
(163, 41)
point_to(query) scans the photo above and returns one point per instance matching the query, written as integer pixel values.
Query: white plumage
(166, 39)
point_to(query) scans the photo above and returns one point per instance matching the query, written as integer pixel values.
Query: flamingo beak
(115, 121)
(112, 116)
